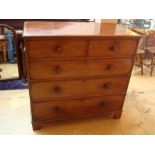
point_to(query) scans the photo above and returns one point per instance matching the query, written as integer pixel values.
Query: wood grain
(41, 91)
(56, 48)
(76, 70)
(76, 107)
(112, 47)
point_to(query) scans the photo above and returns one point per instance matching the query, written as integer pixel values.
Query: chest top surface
(71, 29)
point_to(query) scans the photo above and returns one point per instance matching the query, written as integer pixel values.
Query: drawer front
(112, 48)
(76, 107)
(79, 68)
(56, 48)
(77, 88)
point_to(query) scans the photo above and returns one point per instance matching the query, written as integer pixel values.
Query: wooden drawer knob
(58, 69)
(106, 85)
(58, 49)
(57, 90)
(114, 47)
(103, 104)
(110, 66)
(57, 109)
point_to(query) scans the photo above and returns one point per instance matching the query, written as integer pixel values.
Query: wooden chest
(75, 69)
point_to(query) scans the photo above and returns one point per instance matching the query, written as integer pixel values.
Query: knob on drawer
(103, 104)
(58, 49)
(57, 90)
(109, 66)
(114, 47)
(106, 85)
(58, 69)
(56, 109)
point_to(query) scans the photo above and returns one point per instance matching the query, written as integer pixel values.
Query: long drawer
(83, 87)
(50, 48)
(112, 47)
(62, 69)
(76, 107)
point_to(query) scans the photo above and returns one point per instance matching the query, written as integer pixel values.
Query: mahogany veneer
(75, 69)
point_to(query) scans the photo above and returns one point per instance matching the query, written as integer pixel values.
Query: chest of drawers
(74, 70)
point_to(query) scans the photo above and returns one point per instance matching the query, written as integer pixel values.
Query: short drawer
(56, 48)
(112, 47)
(76, 107)
(83, 87)
(79, 68)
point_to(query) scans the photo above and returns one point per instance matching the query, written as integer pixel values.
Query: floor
(9, 71)
(137, 118)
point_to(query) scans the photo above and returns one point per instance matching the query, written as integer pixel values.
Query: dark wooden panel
(112, 47)
(86, 87)
(77, 68)
(56, 48)
(76, 107)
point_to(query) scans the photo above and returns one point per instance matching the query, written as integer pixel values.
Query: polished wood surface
(76, 88)
(77, 69)
(56, 48)
(56, 29)
(18, 24)
(76, 107)
(112, 47)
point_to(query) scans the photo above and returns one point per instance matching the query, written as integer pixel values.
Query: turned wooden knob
(103, 104)
(57, 109)
(114, 47)
(106, 85)
(109, 66)
(58, 69)
(57, 90)
(58, 49)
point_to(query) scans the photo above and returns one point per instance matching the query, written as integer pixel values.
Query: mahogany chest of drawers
(76, 70)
